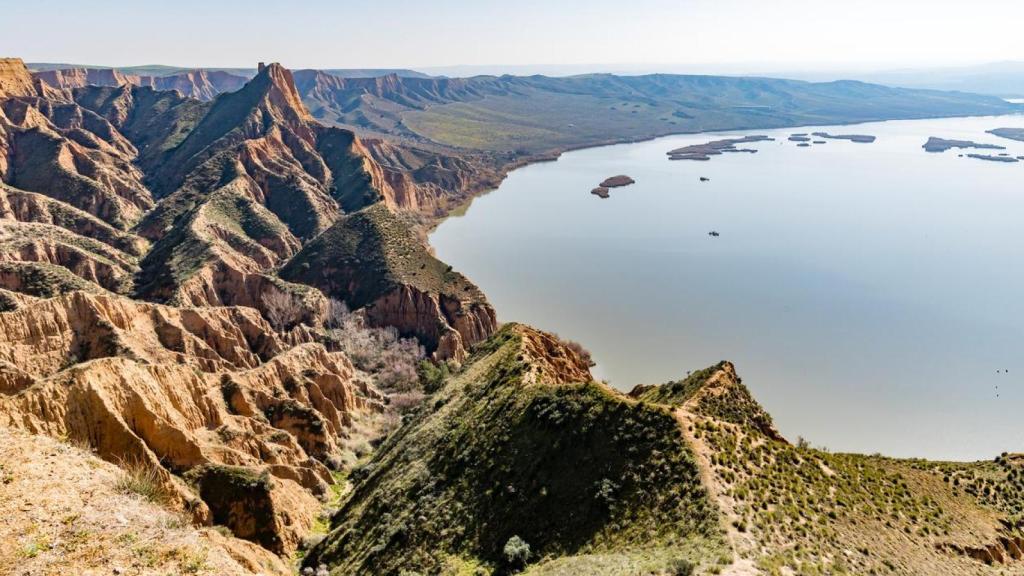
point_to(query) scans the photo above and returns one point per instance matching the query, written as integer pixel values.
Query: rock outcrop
(200, 84)
(66, 511)
(176, 389)
(15, 79)
(371, 260)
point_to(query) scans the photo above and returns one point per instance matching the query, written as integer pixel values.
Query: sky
(675, 35)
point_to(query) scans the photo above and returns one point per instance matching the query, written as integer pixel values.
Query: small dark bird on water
(713, 233)
(705, 179)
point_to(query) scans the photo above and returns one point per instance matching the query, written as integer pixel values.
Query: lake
(870, 295)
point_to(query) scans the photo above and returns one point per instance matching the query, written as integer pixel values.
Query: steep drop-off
(522, 445)
(186, 393)
(371, 260)
(199, 84)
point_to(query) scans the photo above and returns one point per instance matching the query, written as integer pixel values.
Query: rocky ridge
(199, 84)
(141, 235)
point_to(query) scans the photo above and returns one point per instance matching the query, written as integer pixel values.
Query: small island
(858, 138)
(990, 158)
(804, 144)
(602, 189)
(705, 151)
(935, 144)
(617, 181)
(1009, 133)
(799, 138)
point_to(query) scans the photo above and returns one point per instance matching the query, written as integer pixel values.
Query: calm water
(868, 293)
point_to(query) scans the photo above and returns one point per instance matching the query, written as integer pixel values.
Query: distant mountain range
(163, 70)
(1005, 79)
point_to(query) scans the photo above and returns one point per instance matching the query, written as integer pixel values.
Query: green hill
(522, 446)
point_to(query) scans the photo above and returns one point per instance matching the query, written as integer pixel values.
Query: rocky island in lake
(1009, 133)
(617, 181)
(991, 158)
(935, 144)
(602, 189)
(715, 148)
(858, 138)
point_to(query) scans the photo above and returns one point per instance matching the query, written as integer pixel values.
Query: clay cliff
(15, 79)
(142, 314)
(191, 393)
(372, 261)
(199, 84)
(206, 200)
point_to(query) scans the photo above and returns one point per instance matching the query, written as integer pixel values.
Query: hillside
(142, 317)
(521, 445)
(199, 84)
(57, 501)
(794, 509)
(218, 321)
(687, 477)
(538, 114)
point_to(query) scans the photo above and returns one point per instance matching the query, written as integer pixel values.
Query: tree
(282, 310)
(517, 552)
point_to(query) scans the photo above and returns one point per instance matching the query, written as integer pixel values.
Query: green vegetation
(240, 499)
(535, 115)
(370, 253)
(143, 480)
(42, 279)
(492, 464)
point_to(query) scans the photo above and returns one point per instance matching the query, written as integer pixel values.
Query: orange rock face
(15, 79)
(180, 388)
(200, 84)
(141, 238)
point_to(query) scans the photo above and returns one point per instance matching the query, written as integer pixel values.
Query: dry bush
(142, 479)
(381, 352)
(405, 401)
(580, 351)
(282, 310)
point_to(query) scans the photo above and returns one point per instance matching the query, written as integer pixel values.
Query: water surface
(871, 295)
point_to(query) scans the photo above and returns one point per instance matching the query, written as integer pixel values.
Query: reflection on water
(870, 294)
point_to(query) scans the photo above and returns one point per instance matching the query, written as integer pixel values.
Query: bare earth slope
(65, 513)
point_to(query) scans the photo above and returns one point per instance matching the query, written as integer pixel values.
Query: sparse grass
(143, 480)
(496, 458)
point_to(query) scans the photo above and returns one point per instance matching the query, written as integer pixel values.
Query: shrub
(433, 375)
(143, 480)
(516, 552)
(281, 309)
(392, 361)
(405, 401)
(580, 351)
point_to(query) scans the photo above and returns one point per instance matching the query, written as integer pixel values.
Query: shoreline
(625, 384)
(554, 154)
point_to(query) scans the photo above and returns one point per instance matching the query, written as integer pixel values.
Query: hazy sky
(423, 33)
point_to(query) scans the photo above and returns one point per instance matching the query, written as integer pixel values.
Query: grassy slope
(369, 253)
(553, 114)
(797, 510)
(587, 477)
